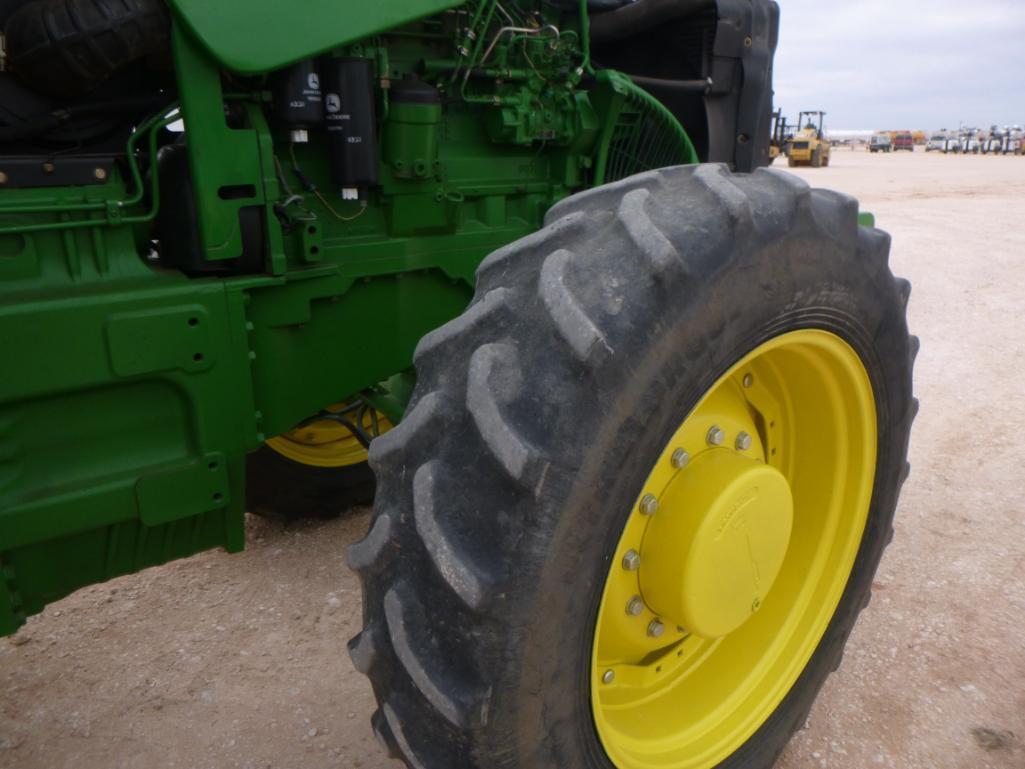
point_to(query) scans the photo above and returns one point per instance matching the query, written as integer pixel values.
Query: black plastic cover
(177, 226)
(349, 118)
(298, 102)
(407, 91)
(730, 42)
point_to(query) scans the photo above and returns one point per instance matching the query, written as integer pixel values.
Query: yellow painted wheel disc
(735, 556)
(326, 443)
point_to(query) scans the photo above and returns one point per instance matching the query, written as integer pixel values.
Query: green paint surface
(132, 392)
(262, 35)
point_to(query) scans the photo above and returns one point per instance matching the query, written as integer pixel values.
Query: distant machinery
(809, 146)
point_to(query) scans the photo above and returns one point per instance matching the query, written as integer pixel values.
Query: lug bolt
(715, 435)
(756, 605)
(656, 628)
(100, 173)
(743, 442)
(680, 459)
(608, 677)
(3, 178)
(635, 606)
(748, 380)
(632, 560)
(649, 505)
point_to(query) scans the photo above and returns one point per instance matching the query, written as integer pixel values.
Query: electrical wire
(335, 214)
(312, 188)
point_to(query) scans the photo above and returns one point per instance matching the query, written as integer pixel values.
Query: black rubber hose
(65, 48)
(685, 86)
(640, 16)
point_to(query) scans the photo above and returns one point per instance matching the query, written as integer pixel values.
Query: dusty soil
(239, 661)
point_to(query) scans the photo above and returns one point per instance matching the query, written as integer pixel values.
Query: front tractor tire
(666, 439)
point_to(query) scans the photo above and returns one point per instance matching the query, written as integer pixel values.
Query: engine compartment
(482, 114)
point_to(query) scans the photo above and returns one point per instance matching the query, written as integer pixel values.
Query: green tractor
(636, 407)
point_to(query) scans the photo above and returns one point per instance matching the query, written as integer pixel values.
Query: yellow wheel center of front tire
(735, 556)
(716, 543)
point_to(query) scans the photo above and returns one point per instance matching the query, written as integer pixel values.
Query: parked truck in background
(880, 143)
(904, 141)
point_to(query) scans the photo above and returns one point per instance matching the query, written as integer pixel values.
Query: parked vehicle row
(972, 141)
(968, 141)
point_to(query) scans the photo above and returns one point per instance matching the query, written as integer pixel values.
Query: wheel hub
(734, 555)
(714, 549)
(327, 443)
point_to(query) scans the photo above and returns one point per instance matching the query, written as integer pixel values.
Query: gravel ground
(239, 661)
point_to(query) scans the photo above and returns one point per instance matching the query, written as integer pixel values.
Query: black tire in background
(536, 418)
(280, 488)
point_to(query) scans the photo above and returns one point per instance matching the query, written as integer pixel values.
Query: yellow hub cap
(715, 549)
(326, 443)
(735, 556)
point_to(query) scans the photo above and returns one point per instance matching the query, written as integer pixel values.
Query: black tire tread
(429, 665)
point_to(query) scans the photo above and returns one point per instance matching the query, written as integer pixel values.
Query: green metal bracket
(183, 491)
(391, 397)
(224, 161)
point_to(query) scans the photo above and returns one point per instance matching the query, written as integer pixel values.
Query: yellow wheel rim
(325, 443)
(735, 556)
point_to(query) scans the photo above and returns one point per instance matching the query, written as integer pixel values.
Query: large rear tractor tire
(644, 482)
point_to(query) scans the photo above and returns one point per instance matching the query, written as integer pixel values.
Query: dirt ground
(238, 661)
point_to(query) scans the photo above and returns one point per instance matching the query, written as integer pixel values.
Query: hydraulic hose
(683, 86)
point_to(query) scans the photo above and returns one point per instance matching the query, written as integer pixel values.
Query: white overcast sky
(892, 64)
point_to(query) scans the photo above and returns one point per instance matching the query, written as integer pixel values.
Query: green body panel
(115, 452)
(134, 388)
(262, 35)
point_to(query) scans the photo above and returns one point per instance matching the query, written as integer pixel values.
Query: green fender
(262, 35)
